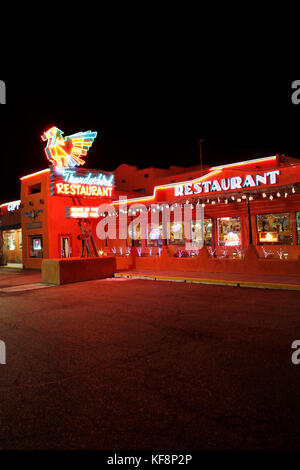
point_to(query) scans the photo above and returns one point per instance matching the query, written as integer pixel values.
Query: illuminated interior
(229, 231)
(36, 246)
(274, 229)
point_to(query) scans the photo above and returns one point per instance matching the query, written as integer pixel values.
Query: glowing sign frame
(81, 182)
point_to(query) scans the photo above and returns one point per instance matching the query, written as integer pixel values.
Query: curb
(190, 280)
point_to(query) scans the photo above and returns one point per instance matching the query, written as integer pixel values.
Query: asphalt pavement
(140, 364)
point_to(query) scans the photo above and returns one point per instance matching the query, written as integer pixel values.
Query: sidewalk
(223, 279)
(11, 276)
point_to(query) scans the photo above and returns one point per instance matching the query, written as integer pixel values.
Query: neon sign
(67, 189)
(269, 237)
(64, 152)
(81, 182)
(13, 206)
(80, 212)
(232, 239)
(70, 176)
(155, 234)
(226, 184)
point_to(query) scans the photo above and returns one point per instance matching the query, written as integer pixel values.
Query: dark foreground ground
(131, 364)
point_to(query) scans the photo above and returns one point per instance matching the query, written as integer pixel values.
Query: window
(177, 233)
(140, 190)
(208, 232)
(274, 229)
(10, 240)
(197, 233)
(298, 226)
(20, 239)
(65, 246)
(198, 236)
(229, 231)
(34, 189)
(134, 234)
(155, 235)
(36, 246)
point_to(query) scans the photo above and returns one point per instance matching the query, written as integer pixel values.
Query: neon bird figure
(68, 151)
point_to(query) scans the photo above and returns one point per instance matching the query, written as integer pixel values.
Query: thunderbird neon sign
(81, 182)
(100, 179)
(64, 152)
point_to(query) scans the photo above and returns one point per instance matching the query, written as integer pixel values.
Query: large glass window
(298, 226)
(197, 233)
(134, 234)
(177, 233)
(199, 236)
(36, 246)
(10, 240)
(229, 231)
(274, 229)
(20, 239)
(208, 232)
(154, 235)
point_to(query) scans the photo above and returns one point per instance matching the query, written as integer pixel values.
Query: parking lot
(137, 364)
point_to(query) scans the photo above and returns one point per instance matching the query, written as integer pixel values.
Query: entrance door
(65, 246)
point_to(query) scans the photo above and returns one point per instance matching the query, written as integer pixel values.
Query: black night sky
(147, 119)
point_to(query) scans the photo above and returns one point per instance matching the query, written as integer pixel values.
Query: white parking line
(24, 287)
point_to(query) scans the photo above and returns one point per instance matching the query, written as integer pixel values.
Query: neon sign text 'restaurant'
(68, 189)
(226, 184)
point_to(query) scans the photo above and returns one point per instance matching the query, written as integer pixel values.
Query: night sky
(147, 119)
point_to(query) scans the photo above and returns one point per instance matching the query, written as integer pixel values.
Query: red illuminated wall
(53, 223)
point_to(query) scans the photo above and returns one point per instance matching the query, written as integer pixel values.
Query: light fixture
(271, 198)
(264, 195)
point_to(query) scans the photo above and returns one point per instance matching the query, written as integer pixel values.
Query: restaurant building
(10, 234)
(250, 219)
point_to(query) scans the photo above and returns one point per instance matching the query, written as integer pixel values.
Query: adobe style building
(10, 233)
(250, 223)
